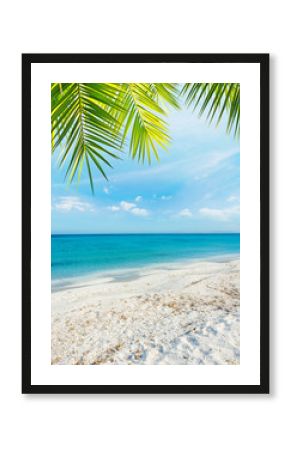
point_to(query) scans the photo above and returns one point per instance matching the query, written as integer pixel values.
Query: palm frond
(216, 100)
(81, 120)
(92, 120)
(145, 106)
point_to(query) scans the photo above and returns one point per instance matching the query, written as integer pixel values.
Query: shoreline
(131, 273)
(173, 314)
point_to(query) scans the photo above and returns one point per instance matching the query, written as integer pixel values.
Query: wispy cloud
(106, 190)
(162, 197)
(196, 165)
(220, 214)
(185, 213)
(66, 204)
(166, 197)
(138, 198)
(215, 161)
(232, 198)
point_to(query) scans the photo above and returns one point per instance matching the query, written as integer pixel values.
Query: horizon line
(145, 233)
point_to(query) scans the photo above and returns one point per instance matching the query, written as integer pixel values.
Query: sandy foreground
(182, 314)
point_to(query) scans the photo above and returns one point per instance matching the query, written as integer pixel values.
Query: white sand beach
(185, 313)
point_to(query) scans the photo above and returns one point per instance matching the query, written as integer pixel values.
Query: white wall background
(109, 422)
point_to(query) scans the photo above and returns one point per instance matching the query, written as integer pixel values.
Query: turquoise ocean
(76, 256)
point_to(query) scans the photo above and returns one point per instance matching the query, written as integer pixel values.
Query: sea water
(74, 256)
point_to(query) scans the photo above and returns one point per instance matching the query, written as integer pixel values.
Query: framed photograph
(145, 223)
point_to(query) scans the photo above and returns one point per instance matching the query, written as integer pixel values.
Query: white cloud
(66, 204)
(185, 213)
(130, 208)
(220, 214)
(138, 198)
(126, 206)
(139, 212)
(106, 190)
(114, 208)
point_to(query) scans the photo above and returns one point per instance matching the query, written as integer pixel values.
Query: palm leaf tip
(216, 100)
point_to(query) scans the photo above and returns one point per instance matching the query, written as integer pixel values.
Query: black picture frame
(263, 61)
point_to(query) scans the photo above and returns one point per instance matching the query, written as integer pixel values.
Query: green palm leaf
(145, 105)
(216, 100)
(92, 121)
(81, 120)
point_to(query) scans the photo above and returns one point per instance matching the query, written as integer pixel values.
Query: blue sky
(194, 188)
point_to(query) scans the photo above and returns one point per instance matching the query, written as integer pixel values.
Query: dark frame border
(27, 60)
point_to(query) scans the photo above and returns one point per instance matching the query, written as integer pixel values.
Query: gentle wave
(75, 256)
